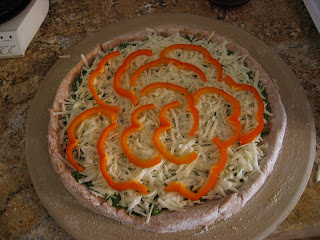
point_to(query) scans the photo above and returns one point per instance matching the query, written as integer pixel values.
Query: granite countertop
(284, 25)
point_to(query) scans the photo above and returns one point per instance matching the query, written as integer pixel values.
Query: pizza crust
(197, 215)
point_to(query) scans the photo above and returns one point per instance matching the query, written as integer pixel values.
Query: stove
(19, 24)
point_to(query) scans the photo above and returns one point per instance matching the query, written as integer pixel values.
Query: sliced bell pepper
(233, 118)
(246, 138)
(71, 133)
(203, 51)
(211, 181)
(165, 125)
(182, 90)
(122, 69)
(132, 184)
(99, 70)
(137, 126)
(161, 61)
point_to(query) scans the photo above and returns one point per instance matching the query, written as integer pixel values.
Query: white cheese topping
(213, 111)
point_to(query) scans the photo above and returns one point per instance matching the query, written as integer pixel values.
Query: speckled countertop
(284, 25)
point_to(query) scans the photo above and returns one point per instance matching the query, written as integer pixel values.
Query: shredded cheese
(213, 110)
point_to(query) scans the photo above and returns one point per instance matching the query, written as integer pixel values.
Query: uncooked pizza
(166, 129)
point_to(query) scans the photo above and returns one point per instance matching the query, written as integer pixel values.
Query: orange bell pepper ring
(246, 138)
(71, 133)
(185, 92)
(99, 70)
(233, 118)
(160, 61)
(132, 184)
(212, 178)
(121, 70)
(136, 126)
(165, 125)
(203, 51)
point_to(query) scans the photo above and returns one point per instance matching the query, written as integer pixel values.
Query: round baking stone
(257, 219)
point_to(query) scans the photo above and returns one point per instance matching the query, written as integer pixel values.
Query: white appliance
(17, 33)
(313, 7)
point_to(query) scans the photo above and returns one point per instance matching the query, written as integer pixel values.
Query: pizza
(166, 129)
